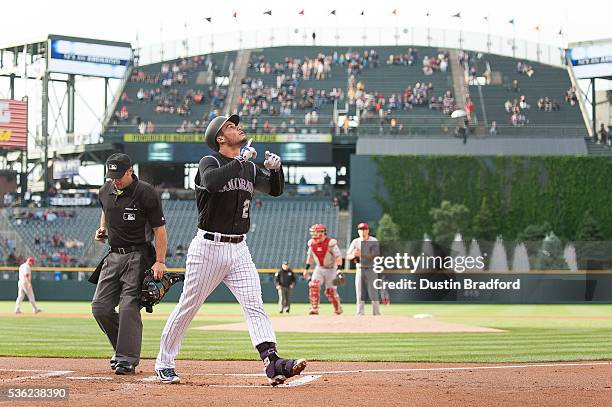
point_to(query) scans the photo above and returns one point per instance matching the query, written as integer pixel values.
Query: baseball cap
(363, 225)
(210, 135)
(31, 259)
(286, 262)
(117, 164)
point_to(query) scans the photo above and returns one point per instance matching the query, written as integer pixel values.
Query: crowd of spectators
(516, 110)
(169, 94)
(19, 215)
(571, 97)
(524, 68)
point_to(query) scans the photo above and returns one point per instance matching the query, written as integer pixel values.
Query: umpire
(131, 215)
(284, 280)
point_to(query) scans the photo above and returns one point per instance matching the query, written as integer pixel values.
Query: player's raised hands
(272, 161)
(247, 152)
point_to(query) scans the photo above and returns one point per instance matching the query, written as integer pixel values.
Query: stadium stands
(67, 240)
(523, 93)
(174, 96)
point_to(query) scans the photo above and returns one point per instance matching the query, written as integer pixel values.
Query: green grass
(533, 333)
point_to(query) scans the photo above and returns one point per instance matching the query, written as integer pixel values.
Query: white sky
(123, 20)
(150, 22)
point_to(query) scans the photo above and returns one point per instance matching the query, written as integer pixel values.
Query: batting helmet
(212, 130)
(318, 227)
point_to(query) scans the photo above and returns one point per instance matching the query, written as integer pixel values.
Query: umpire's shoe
(124, 368)
(281, 369)
(167, 376)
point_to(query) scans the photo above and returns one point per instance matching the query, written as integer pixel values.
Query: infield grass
(533, 333)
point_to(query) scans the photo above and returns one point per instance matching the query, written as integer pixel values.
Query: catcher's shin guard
(314, 288)
(334, 298)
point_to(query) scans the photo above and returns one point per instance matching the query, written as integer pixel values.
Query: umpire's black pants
(120, 284)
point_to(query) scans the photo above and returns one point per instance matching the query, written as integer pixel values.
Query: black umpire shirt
(224, 191)
(131, 213)
(284, 278)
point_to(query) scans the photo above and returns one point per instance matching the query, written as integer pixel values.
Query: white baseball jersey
(356, 244)
(23, 289)
(25, 272)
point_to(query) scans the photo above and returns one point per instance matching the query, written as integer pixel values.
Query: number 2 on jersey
(245, 208)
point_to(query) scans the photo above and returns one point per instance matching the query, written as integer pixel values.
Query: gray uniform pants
(364, 282)
(120, 284)
(284, 298)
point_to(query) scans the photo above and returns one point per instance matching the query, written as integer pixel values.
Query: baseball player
(24, 286)
(365, 275)
(218, 253)
(325, 252)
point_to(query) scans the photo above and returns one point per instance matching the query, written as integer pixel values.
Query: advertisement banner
(13, 124)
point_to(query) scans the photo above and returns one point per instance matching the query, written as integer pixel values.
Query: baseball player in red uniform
(324, 251)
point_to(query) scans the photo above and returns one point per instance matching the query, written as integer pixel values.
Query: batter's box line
(44, 375)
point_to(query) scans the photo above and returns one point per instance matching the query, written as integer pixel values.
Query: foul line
(438, 369)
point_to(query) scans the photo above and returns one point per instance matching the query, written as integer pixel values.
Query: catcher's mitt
(153, 291)
(340, 279)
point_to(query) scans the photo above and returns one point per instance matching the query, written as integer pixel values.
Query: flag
(235, 14)
(363, 12)
(394, 12)
(427, 14)
(458, 15)
(511, 21)
(301, 12)
(269, 12)
(209, 19)
(537, 28)
(486, 18)
(333, 12)
(560, 31)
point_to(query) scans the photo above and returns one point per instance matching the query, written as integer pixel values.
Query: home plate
(302, 380)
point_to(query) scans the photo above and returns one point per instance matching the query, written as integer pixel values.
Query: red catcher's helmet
(317, 227)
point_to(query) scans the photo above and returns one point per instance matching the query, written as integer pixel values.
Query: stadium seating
(197, 75)
(546, 82)
(272, 238)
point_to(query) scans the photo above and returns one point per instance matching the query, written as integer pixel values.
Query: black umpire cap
(117, 164)
(213, 129)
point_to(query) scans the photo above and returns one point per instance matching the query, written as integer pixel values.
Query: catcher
(325, 252)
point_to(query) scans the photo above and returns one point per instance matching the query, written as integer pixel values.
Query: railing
(352, 36)
(407, 125)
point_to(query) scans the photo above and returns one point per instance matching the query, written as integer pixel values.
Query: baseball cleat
(113, 364)
(313, 311)
(123, 368)
(282, 369)
(38, 310)
(167, 376)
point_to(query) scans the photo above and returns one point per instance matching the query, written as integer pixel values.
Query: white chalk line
(460, 368)
(417, 369)
(45, 375)
(88, 378)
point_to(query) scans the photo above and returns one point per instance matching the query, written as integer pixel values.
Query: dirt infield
(91, 382)
(355, 324)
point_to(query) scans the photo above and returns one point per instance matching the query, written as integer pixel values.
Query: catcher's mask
(153, 291)
(317, 230)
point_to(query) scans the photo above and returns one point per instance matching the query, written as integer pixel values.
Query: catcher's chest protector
(320, 250)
